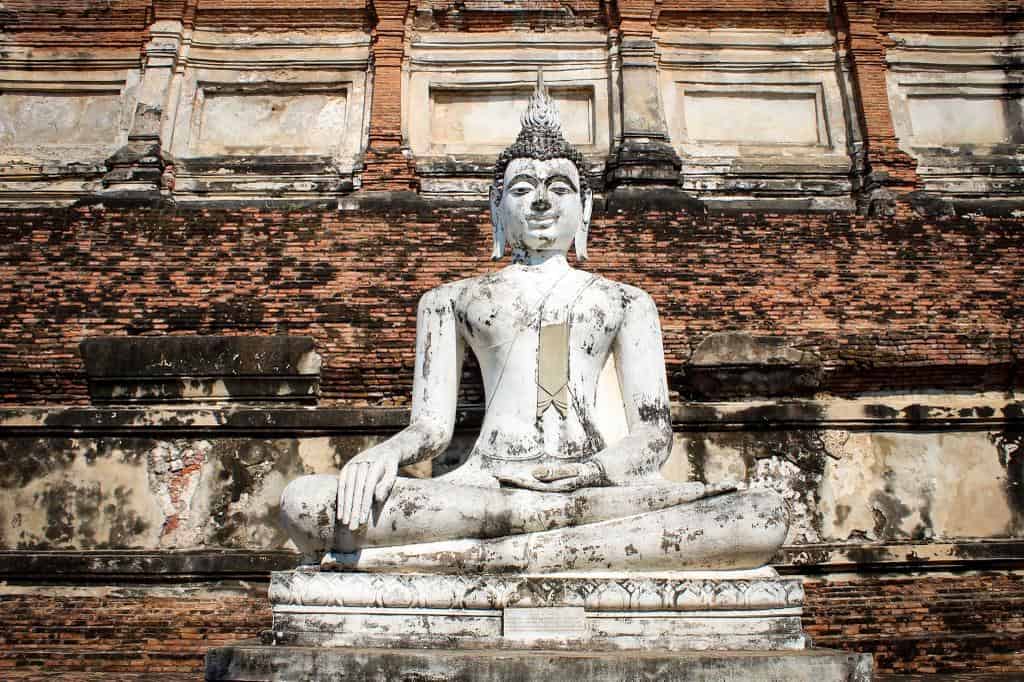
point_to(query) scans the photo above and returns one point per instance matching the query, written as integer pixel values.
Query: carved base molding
(752, 610)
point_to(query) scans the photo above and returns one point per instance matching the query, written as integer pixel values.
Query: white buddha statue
(541, 490)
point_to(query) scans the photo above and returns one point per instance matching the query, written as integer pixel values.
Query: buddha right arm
(371, 474)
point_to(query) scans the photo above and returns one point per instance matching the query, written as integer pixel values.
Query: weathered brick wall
(497, 15)
(791, 15)
(249, 15)
(110, 23)
(128, 631)
(915, 302)
(938, 623)
(948, 624)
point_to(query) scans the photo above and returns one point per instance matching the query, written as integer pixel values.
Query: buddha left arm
(640, 364)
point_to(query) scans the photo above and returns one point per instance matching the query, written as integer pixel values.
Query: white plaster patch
(951, 120)
(779, 475)
(915, 486)
(271, 123)
(969, 496)
(752, 116)
(610, 416)
(465, 118)
(58, 119)
(677, 468)
(723, 463)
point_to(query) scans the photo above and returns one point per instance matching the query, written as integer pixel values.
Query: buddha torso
(513, 322)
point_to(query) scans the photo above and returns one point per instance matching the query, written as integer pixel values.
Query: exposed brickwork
(386, 166)
(967, 623)
(64, 23)
(125, 632)
(498, 15)
(923, 625)
(930, 299)
(789, 15)
(963, 17)
(859, 32)
(273, 14)
(636, 17)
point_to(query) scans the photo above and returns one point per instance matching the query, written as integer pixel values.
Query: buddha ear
(580, 240)
(499, 230)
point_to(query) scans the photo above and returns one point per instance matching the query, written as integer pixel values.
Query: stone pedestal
(753, 610)
(684, 626)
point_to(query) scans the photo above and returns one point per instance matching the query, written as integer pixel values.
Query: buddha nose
(540, 202)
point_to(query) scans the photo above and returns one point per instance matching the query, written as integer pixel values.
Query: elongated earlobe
(498, 251)
(580, 242)
(583, 233)
(499, 243)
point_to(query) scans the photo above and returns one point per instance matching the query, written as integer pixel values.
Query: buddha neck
(553, 260)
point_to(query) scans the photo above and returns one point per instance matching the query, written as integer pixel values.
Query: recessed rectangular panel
(547, 623)
(490, 117)
(59, 119)
(270, 123)
(761, 118)
(956, 120)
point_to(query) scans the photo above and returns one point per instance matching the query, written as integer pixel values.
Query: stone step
(250, 662)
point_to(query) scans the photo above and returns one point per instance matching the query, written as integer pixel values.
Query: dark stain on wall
(239, 467)
(1010, 446)
(26, 459)
(76, 512)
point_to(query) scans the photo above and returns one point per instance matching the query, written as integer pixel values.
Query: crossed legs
(434, 526)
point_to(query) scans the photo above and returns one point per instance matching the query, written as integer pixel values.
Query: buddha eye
(520, 189)
(560, 188)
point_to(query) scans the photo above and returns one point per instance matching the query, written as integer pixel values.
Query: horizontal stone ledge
(965, 554)
(908, 410)
(967, 410)
(39, 566)
(336, 191)
(194, 419)
(111, 358)
(143, 564)
(165, 390)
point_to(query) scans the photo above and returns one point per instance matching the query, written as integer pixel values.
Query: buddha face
(541, 207)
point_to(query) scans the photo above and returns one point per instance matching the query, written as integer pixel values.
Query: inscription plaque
(561, 622)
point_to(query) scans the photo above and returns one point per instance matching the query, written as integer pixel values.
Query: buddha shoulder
(441, 300)
(615, 301)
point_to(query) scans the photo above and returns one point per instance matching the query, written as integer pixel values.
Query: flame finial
(541, 112)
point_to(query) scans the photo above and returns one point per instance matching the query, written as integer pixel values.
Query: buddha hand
(366, 477)
(561, 478)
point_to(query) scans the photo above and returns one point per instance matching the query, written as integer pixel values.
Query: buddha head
(540, 200)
